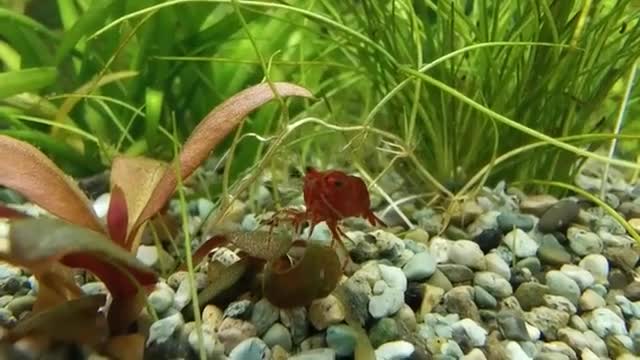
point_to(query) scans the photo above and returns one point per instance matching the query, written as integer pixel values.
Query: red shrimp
(331, 196)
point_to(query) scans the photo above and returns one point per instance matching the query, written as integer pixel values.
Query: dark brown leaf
(76, 321)
(118, 217)
(314, 276)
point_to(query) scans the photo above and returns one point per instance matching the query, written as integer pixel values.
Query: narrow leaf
(28, 80)
(210, 132)
(86, 24)
(25, 169)
(117, 217)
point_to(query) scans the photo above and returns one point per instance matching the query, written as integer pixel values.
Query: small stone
(549, 321)
(439, 279)
(406, 318)
(576, 322)
(468, 331)
(488, 239)
(493, 283)
(459, 300)
(467, 253)
(264, 314)
(520, 243)
(530, 295)
(574, 338)
(618, 279)
(342, 339)
(514, 351)
(315, 354)
(583, 242)
(5, 299)
(385, 330)
(420, 266)
(439, 249)
(560, 303)
(252, 348)
(635, 224)
(552, 252)
(21, 304)
(590, 300)
(419, 235)
(597, 265)
(488, 220)
(364, 251)
(596, 344)
(456, 273)
(212, 316)
(537, 204)
(632, 291)
(605, 322)
(232, 332)
(393, 276)
(395, 350)
(561, 284)
(623, 257)
(483, 299)
(497, 265)
(7, 320)
(161, 330)
(238, 309)
(533, 264)
(582, 277)
(559, 216)
(161, 298)
(155, 257)
(556, 348)
(534, 333)
(314, 342)
(432, 296)
(475, 354)
(387, 303)
(279, 353)
(507, 221)
(388, 244)
(212, 347)
(279, 335)
(512, 326)
(326, 311)
(296, 320)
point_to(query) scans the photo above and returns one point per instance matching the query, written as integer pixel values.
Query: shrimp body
(332, 195)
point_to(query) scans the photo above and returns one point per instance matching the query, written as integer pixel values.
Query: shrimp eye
(337, 183)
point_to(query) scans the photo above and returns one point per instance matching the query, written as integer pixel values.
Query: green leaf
(28, 80)
(86, 24)
(154, 99)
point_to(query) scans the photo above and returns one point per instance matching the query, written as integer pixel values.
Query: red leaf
(9, 213)
(209, 133)
(117, 217)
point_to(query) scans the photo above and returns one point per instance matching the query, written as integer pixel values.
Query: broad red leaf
(25, 169)
(9, 213)
(210, 132)
(136, 177)
(117, 217)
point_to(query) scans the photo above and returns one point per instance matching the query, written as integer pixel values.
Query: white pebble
(476, 334)
(582, 277)
(394, 350)
(534, 332)
(496, 264)
(515, 352)
(521, 243)
(393, 276)
(101, 205)
(598, 266)
(439, 249)
(468, 253)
